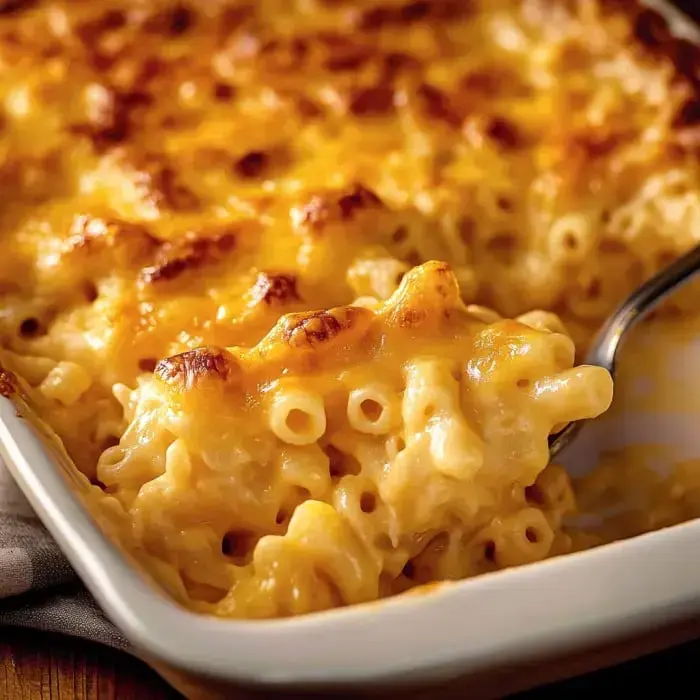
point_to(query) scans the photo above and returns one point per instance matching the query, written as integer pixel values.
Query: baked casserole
(297, 284)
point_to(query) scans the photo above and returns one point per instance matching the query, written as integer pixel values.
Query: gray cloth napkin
(38, 588)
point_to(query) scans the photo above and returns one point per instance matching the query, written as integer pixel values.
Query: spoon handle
(603, 351)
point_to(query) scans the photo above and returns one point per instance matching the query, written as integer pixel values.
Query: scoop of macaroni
(353, 452)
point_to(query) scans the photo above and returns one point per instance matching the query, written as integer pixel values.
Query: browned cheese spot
(252, 164)
(438, 106)
(338, 206)
(187, 369)
(504, 133)
(192, 252)
(275, 288)
(313, 329)
(372, 101)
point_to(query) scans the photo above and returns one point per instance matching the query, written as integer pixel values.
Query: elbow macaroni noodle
(297, 417)
(270, 268)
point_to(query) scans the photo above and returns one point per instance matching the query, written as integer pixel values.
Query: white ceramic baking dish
(497, 633)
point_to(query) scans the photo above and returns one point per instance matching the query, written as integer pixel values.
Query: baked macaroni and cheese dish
(296, 284)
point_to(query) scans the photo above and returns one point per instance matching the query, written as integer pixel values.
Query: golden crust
(427, 297)
(426, 307)
(179, 174)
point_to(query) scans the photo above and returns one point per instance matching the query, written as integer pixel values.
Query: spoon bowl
(604, 350)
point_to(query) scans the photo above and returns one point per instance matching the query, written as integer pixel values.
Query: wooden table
(39, 666)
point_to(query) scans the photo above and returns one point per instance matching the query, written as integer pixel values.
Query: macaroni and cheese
(350, 454)
(220, 280)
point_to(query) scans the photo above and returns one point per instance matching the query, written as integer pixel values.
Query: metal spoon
(638, 305)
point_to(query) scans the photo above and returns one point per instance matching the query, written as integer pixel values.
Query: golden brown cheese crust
(426, 312)
(180, 174)
(317, 339)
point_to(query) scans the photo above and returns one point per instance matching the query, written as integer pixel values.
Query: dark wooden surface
(39, 666)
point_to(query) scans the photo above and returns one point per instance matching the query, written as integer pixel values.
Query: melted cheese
(180, 175)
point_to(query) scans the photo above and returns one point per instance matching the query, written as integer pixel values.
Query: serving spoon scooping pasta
(604, 350)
